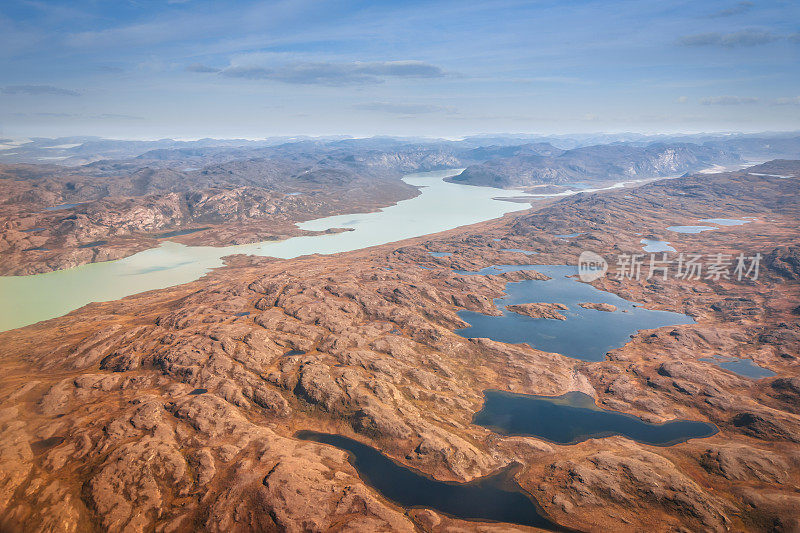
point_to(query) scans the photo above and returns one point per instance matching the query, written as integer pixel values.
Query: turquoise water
(440, 206)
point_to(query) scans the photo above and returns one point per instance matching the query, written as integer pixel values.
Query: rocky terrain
(539, 310)
(175, 410)
(777, 167)
(110, 199)
(608, 308)
(59, 217)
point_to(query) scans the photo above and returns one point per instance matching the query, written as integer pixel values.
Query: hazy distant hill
(760, 147)
(602, 162)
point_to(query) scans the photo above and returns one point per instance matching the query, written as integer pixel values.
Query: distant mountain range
(76, 151)
(543, 163)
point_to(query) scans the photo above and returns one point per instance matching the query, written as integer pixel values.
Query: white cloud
(329, 73)
(730, 40)
(728, 100)
(788, 100)
(404, 108)
(38, 90)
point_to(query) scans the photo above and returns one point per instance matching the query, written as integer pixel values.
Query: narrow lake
(586, 334)
(440, 206)
(574, 417)
(494, 498)
(690, 229)
(742, 367)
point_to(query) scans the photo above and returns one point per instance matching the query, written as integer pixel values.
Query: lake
(519, 251)
(61, 206)
(725, 221)
(690, 229)
(495, 498)
(653, 246)
(586, 334)
(574, 417)
(742, 367)
(440, 206)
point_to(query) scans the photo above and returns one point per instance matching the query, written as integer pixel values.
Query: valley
(181, 406)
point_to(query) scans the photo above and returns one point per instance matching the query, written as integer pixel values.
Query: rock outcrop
(539, 310)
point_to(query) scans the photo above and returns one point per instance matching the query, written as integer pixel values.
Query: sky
(240, 69)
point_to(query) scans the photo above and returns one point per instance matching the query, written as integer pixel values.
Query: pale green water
(441, 206)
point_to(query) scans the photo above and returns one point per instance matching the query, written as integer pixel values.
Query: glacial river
(441, 206)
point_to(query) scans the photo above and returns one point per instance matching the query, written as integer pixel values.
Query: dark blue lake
(574, 417)
(491, 498)
(586, 334)
(93, 244)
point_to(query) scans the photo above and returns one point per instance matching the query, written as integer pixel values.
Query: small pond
(519, 251)
(652, 246)
(742, 367)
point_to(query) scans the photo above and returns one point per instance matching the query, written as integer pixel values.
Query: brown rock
(539, 310)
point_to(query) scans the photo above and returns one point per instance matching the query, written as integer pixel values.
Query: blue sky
(188, 69)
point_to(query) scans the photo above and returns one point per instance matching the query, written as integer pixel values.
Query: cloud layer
(728, 100)
(789, 100)
(329, 73)
(37, 90)
(404, 108)
(730, 40)
(738, 9)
